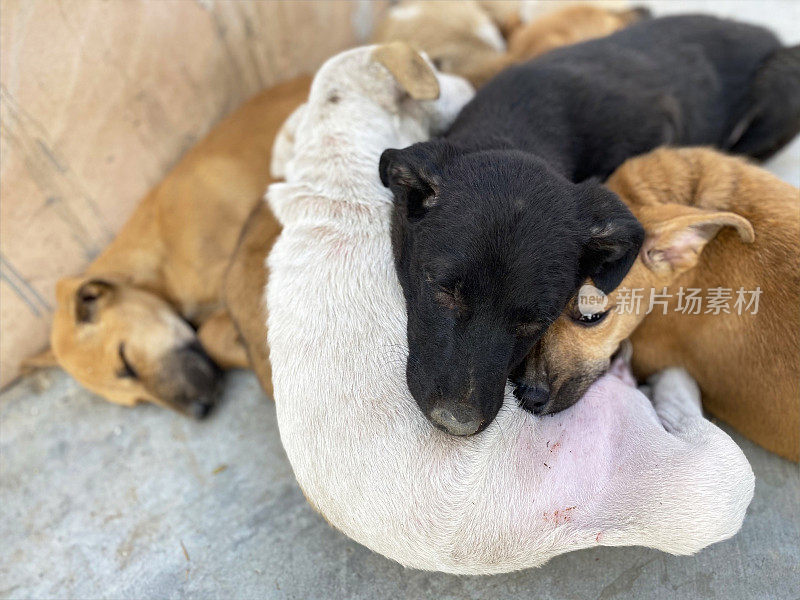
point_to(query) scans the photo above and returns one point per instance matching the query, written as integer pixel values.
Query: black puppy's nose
(533, 397)
(455, 419)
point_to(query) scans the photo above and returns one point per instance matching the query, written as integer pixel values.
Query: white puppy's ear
(283, 146)
(676, 235)
(412, 72)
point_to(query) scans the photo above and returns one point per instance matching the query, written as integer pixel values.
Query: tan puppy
(463, 38)
(122, 329)
(569, 25)
(459, 36)
(712, 221)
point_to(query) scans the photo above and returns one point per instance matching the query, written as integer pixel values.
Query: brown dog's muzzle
(188, 382)
(545, 388)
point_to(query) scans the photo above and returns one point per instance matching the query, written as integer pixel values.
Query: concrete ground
(102, 501)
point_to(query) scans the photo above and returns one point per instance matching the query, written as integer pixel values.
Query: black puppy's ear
(91, 297)
(613, 239)
(414, 175)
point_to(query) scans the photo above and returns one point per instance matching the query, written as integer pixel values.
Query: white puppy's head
(370, 95)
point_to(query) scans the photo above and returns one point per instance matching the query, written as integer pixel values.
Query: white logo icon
(591, 300)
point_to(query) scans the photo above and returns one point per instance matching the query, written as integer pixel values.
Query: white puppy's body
(604, 472)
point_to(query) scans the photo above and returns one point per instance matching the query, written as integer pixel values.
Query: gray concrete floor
(103, 501)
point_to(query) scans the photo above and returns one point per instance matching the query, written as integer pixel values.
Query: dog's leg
(676, 399)
(283, 146)
(221, 341)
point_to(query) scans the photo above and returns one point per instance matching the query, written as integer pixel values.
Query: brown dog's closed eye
(126, 371)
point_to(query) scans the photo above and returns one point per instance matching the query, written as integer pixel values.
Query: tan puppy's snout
(552, 380)
(531, 382)
(188, 381)
(534, 397)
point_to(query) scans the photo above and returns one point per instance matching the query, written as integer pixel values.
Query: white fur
(530, 10)
(283, 145)
(489, 33)
(405, 12)
(604, 472)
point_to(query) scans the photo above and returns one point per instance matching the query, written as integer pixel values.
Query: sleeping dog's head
(489, 248)
(677, 196)
(129, 345)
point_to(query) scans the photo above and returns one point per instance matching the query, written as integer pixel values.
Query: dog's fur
(123, 328)
(459, 38)
(748, 366)
(609, 471)
(243, 290)
(491, 234)
(466, 38)
(711, 221)
(569, 25)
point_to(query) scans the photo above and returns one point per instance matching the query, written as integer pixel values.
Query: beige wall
(100, 98)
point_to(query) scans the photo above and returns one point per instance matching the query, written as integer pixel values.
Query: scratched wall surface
(99, 99)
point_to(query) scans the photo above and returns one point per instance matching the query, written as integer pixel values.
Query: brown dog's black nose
(189, 381)
(533, 397)
(202, 407)
(455, 419)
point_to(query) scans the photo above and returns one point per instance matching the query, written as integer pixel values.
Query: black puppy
(497, 225)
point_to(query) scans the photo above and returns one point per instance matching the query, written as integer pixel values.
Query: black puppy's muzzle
(456, 418)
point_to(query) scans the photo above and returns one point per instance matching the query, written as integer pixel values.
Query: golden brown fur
(454, 33)
(244, 289)
(170, 258)
(711, 221)
(569, 25)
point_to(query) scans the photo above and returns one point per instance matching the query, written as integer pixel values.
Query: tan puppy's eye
(589, 320)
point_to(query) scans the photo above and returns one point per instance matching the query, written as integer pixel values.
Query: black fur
(498, 224)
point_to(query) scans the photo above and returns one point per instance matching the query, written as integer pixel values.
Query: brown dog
(569, 25)
(712, 222)
(466, 37)
(123, 328)
(243, 292)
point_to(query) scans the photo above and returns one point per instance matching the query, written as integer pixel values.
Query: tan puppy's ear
(410, 70)
(674, 241)
(43, 360)
(91, 297)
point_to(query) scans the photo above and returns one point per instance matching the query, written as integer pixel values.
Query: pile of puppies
(491, 230)
(178, 293)
(492, 227)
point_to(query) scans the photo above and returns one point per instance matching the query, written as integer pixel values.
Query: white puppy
(611, 470)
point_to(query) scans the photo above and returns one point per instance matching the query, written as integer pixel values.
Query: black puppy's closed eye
(126, 371)
(448, 300)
